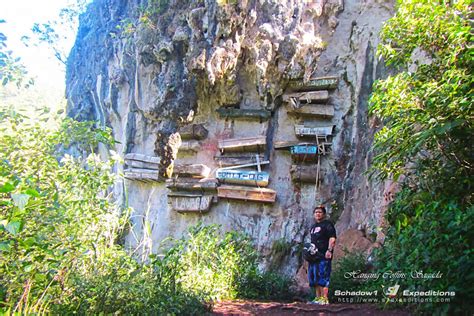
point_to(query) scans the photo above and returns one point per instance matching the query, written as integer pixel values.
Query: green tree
(11, 69)
(427, 114)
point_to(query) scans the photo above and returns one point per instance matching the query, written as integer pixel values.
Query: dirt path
(277, 308)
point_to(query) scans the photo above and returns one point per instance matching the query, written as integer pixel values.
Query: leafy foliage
(11, 69)
(59, 229)
(428, 114)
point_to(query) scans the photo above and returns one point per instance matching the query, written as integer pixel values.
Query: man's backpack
(311, 253)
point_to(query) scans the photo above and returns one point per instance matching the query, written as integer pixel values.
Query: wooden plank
(319, 83)
(142, 164)
(244, 177)
(247, 194)
(323, 131)
(191, 170)
(243, 113)
(141, 157)
(193, 131)
(242, 143)
(225, 161)
(318, 110)
(191, 184)
(196, 203)
(144, 175)
(190, 146)
(307, 174)
(306, 97)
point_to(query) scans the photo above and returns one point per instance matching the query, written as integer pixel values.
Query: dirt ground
(249, 307)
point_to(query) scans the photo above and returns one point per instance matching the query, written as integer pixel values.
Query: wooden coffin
(306, 174)
(193, 131)
(306, 97)
(322, 131)
(243, 177)
(304, 152)
(316, 110)
(225, 161)
(247, 193)
(242, 144)
(320, 83)
(191, 170)
(190, 146)
(143, 175)
(190, 184)
(186, 202)
(142, 161)
(244, 113)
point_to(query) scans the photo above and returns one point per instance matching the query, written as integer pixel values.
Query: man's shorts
(319, 273)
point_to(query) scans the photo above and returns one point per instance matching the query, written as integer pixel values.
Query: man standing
(323, 236)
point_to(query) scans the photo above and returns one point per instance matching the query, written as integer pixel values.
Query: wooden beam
(191, 170)
(321, 110)
(319, 83)
(307, 97)
(243, 113)
(247, 193)
(191, 184)
(242, 143)
(193, 131)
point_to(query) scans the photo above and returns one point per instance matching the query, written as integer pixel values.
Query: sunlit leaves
(426, 108)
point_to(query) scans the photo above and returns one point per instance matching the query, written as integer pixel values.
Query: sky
(20, 15)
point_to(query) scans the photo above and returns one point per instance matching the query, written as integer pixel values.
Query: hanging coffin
(240, 159)
(193, 131)
(190, 146)
(242, 144)
(143, 175)
(306, 174)
(304, 152)
(321, 132)
(189, 184)
(142, 161)
(190, 203)
(191, 170)
(316, 110)
(320, 83)
(247, 193)
(244, 113)
(306, 97)
(254, 178)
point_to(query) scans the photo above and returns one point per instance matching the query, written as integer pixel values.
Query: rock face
(150, 70)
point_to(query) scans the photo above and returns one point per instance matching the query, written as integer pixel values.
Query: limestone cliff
(151, 69)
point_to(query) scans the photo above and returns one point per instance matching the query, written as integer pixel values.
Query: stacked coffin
(308, 100)
(238, 181)
(142, 168)
(191, 135)
(191, 189)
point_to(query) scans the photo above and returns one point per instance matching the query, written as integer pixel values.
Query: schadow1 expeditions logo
(392, 291)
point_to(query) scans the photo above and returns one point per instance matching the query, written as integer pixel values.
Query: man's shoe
(317, 301)
(323, 301)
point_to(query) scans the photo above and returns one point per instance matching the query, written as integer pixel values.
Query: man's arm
(332, 243)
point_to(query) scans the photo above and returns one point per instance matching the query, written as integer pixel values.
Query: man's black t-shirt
(320, 234)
